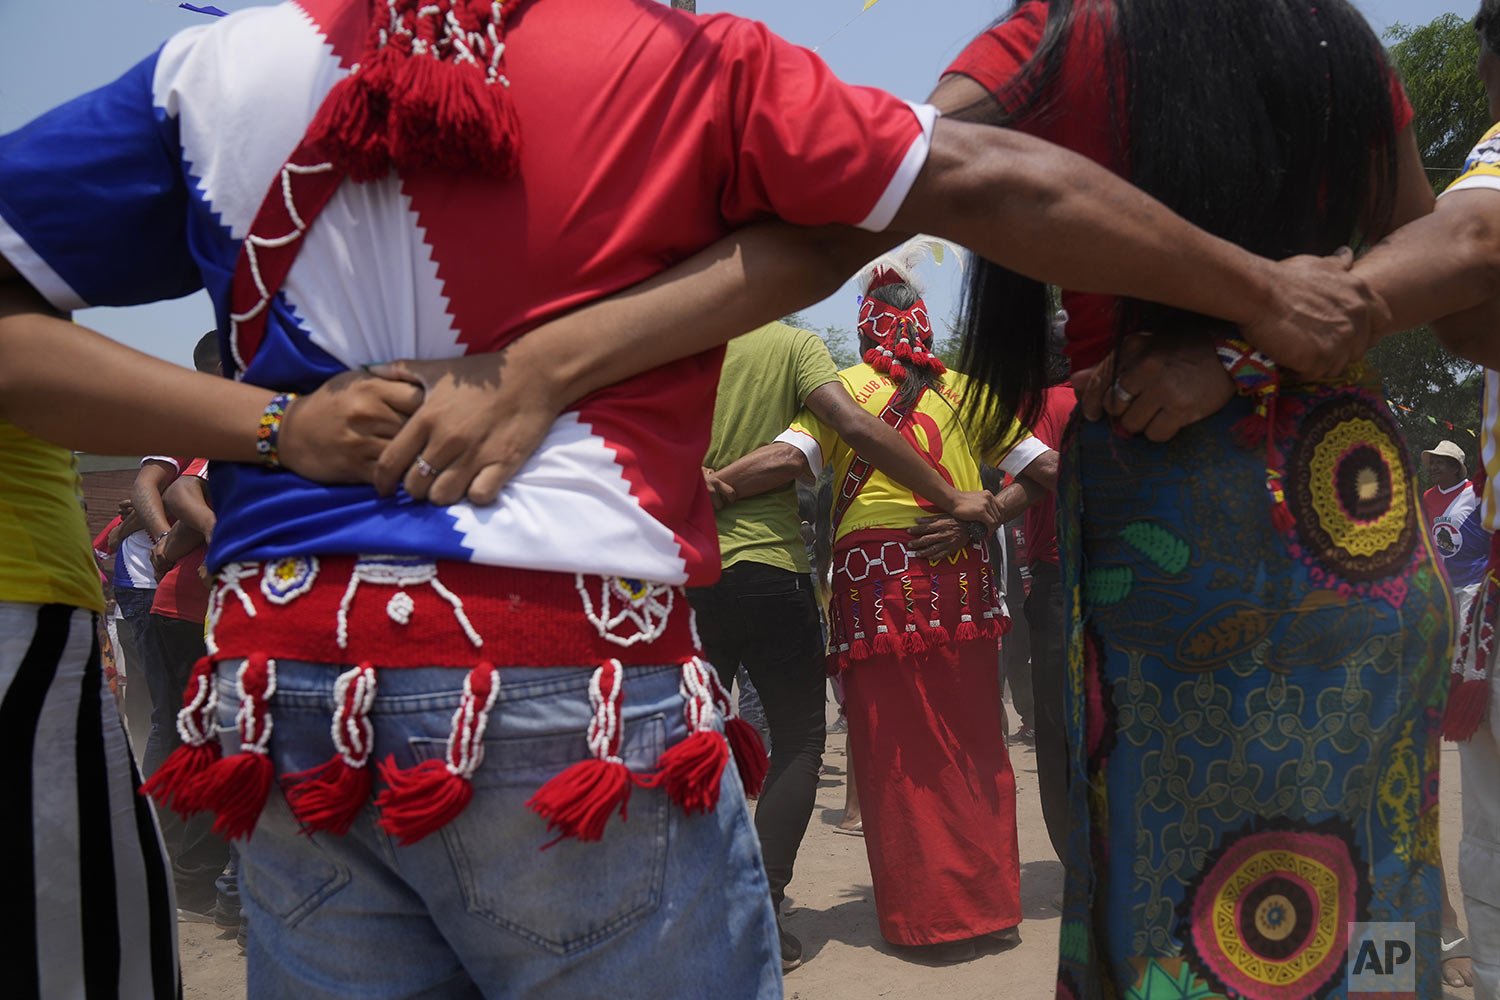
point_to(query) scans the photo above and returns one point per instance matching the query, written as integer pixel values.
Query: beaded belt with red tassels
(887, 601)
(393, 612)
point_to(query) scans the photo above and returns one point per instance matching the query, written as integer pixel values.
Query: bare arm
(173, 546)
(1040, 473)
(1026, 204)
(1057, 217)
(1445, 269)
(766, 468)
(485, 414)
(47, 389)
(187, 499)
(873, 440)
(146, 495)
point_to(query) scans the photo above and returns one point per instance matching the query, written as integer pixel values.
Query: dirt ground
(833, 912)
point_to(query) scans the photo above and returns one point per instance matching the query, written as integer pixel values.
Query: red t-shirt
(181, 594)
(101, 546)
(1080, 121)
(1041, 517)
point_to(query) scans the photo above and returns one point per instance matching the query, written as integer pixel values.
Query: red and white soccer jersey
(646, 134)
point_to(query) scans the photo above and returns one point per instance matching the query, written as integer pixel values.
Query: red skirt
(937, 793)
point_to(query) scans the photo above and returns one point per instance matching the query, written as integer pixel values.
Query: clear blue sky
(51, 51)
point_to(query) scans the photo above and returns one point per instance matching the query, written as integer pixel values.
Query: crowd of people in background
(441, 651)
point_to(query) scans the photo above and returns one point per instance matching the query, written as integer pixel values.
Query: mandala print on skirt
(1269, 915)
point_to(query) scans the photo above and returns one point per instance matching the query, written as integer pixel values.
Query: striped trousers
(85, 889)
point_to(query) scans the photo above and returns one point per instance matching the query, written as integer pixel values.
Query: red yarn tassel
(1467, 702)
(872, 356)
(693, 769)
(898, 372)
(937, 637)
(420, 800)
(173, 783)
(966, 630)
(887, 644)
(328, 798)
(915, 644)
(859, 649)
(749, 755)
(579, 801)
(236, 789)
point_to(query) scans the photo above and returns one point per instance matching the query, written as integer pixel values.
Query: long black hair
(1266, 122)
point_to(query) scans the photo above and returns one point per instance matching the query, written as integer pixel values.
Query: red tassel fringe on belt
(394, 612)
(886, 600)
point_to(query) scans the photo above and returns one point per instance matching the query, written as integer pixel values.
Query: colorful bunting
(1430, 419)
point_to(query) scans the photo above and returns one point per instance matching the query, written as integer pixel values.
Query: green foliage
(1439, 388)
(1436, 64)
(843, 345)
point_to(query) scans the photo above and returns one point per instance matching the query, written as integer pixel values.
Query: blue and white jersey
(646, 135)
(1459, 537)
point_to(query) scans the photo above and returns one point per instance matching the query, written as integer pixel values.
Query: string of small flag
(867, 6)
(1410, 411)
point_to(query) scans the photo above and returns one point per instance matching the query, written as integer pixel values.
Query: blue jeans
(667, 905)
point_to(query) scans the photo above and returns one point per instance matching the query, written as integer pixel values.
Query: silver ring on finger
(1124, 395)
(425, 469)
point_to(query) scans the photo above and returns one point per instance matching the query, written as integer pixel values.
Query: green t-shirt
(768, 374)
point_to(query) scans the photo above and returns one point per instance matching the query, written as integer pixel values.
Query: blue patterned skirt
(1253, 713)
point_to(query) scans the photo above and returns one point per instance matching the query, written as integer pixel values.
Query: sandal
(1456, 949)
(857, 830)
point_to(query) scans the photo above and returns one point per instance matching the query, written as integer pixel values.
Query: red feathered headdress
(902, 337)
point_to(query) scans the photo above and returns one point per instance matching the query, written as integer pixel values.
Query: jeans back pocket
(571, 895)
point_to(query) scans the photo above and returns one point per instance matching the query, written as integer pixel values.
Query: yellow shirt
(936, 428)
(46, 556)
(1482, 171)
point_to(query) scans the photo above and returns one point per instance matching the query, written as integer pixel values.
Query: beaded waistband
(396, 611)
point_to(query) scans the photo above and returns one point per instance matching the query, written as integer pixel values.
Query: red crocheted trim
(405, 613)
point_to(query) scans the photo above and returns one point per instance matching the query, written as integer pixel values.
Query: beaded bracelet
(268, 434)
(1253, 373)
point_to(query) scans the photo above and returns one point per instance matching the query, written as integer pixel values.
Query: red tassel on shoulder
(420, 800)
(329, 797)
(236, 788)
(173, 782)
(580, 801)
(427, 93)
